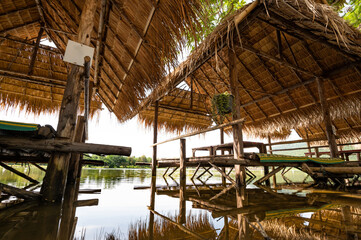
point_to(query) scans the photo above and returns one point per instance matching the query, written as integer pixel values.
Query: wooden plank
(86, 203)
(55, 145)
(18, 173)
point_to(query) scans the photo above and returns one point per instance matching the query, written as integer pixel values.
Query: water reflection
(211, 210)
(265, 213)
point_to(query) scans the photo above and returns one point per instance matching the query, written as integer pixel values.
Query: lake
(289, 212)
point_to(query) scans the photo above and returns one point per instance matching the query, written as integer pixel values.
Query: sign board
(75, 53)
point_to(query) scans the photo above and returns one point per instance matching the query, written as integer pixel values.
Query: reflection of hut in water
(325, 215)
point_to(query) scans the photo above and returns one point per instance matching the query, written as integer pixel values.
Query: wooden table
(228, 147)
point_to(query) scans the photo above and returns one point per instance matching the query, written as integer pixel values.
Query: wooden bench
(343, 153)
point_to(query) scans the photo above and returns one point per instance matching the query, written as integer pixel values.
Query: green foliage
(353, 13)
(222, 104)
(350, 10)
(217, 11)
(115, 161)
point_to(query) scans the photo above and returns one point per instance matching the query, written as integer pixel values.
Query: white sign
(75, 53)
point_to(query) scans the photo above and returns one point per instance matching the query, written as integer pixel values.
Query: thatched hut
(136, 43)
(281, 48)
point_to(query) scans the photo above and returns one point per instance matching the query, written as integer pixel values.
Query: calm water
(288, 213)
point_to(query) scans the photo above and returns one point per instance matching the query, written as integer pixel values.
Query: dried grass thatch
(140, 44)
(277, 86)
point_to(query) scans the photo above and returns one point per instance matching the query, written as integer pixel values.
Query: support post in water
(327, 119)
(56, 175)
(182, 179)
(237, 143)
(154, 172)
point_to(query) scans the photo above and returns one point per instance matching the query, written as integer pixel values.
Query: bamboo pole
(55, 178)
(327, 119)
(238, 121)
(182, 179)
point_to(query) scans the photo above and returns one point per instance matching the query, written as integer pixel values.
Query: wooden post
(35, 51)
(308, 144)
(237, 144)
(327, 119)
(55, 178)
(74, 164)
(182, 179)
(154, 172)
(222, 152)
(274, 179)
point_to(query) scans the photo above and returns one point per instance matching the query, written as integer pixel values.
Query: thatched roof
(140, 41)
(281, 48)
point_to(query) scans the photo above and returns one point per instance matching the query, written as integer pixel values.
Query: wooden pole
(75, 157)
(274, 179)
(154, 172)
(18, 173)
(55, 178)
(86, 94)
(308, 144)
(182, 179)
(222, 152)
(327, 119)
(237, 144)
(35, 51)
(238, 121)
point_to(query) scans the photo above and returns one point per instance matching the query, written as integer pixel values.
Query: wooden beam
(103, 16)
(238, 121)
(267, 176)
(33, 79)
(35, 50)
(301, 33)
(19, 192)
(18, 26)
(18, 10)
(65, 146)
(327, 120)
(18, 173)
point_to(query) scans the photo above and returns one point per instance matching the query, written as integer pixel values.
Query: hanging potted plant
(222, 104)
